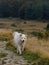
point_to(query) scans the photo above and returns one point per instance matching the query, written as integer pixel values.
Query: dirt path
(11, 58)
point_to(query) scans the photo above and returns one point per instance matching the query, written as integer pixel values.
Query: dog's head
(23, 38)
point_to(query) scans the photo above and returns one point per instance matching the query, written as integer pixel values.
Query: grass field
(35, 45)
(25, 25)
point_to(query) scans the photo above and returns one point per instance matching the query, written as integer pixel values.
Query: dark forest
(25, 9)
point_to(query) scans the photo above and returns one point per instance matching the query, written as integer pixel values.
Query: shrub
(20, 30)
(2, 25)
(47, 27)
(5, 36)
(34, 33)
(2, 55)
(14, 25)
(32, 25)
(25, 22)
(40, 35)
(46, 34)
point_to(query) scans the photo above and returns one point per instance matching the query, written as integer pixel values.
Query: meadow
(37, 46)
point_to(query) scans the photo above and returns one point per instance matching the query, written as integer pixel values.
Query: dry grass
(30, 26)
(39, 46)
(37, 50)
(5, 35)
(33, 44)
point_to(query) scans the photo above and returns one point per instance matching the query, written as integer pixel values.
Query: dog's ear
(14, 33)
(20, 34)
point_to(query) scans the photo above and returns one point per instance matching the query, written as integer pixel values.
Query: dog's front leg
(23, 47)
(19, 48)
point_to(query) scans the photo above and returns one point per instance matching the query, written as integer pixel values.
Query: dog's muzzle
(22, 41)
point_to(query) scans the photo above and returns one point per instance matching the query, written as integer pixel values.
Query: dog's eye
(24, 38)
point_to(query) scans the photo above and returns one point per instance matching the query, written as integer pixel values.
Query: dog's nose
(23, 41)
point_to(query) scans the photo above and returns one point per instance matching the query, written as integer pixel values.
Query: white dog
(19, 41)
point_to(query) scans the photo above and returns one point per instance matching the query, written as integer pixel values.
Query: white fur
(19, 41)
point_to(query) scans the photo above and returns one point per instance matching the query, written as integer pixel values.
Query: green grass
(3, 38)
(40, 35)
(30, 56)
(43, 61)
(34, 33)
(10, 47)
(35, 58)
(2, 55)
(13, 25)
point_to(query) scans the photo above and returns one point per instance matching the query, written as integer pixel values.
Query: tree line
(25, 9)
